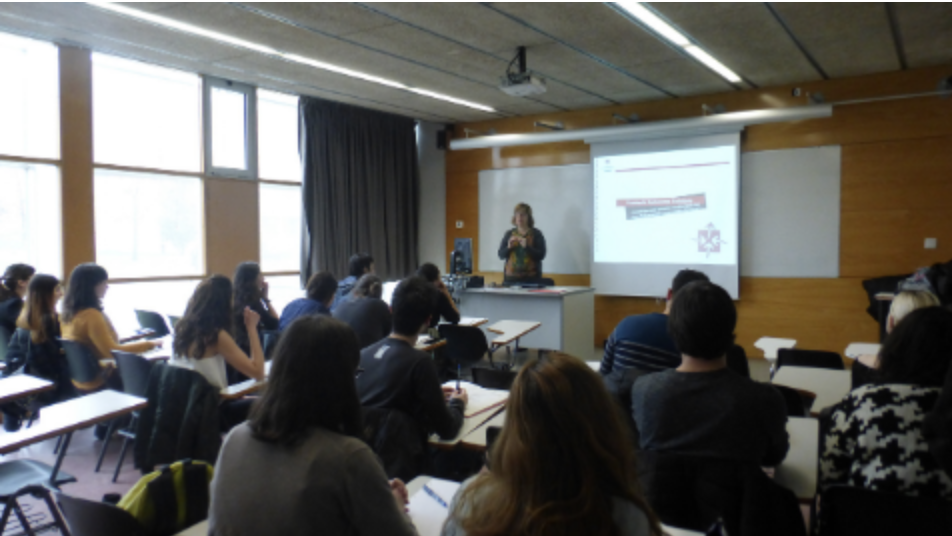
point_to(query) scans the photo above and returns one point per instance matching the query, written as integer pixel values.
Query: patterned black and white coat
(875, 442)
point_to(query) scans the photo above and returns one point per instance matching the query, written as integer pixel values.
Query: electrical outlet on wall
(459, 224)
(931, 243)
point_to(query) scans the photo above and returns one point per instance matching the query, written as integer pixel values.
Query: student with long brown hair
(13, 285)
(561, 466)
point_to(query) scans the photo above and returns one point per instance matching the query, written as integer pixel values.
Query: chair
(90, 518)
(737, 361)
(269, 340)
(134, 371)
(29, 477)
(464, 344)
(492, 378)
(792, 357)
(397, 440)
(83, 365)
(846, 510)
(5, 337)
(798, 402)
(153, 321)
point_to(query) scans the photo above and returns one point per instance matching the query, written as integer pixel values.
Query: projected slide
(667, 207)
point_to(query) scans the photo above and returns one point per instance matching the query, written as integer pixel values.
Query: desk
(770, 345)
(22, 385)
(198, 529)
(511, 330)
(471, 321)
(567, 314)
(476, 440)
(856, 349)
(425, 343)
(829, 385)
(246, 387)
(470, 424)
(67, 417)
(798, 471)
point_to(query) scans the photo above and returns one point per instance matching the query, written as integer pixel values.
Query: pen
(436, 497)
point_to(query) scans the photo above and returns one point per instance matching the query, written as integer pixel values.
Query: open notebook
(426, 511)
(481, 399)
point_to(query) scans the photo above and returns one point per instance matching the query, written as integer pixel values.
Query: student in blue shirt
(321, 289)
(359, 265)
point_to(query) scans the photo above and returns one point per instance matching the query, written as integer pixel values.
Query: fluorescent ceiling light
(241, 43)
(662, 28)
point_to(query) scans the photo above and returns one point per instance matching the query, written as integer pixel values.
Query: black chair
(792, 357)
(846, 510)
(737, 361)
(153, 321)
(134, 371)
(798, 402)
(83, 365)
(91, 518)
(492, 378)
(464, 344)
(28, 477)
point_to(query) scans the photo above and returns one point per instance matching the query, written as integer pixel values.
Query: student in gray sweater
(298, 466)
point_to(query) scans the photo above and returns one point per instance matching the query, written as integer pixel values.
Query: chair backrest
(846, 510)
(134, 371)
(269, 340)
(397, 440)
(90, 518)
(83, 365)
(153, 321)
(492, 378)
(737, 360)
(793, 357)
(464, 343)
(174, 320)
(798, 402)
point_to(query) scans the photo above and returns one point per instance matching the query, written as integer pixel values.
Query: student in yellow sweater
(83, 321)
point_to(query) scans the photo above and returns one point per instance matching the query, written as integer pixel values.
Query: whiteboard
(561, 201)
(790, 213)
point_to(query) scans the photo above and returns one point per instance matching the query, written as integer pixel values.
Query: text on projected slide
(671, 207)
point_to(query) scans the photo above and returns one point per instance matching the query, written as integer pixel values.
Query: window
(278, 158)
(146, 116)
(280, 224)
(30, 216)
(229, 129)
(283, 289)
(164, 297)
(148, 225)
(29, 98)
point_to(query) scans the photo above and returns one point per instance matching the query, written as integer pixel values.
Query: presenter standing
(523, 248)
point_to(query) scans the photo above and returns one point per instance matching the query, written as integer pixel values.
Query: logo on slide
(709, 240)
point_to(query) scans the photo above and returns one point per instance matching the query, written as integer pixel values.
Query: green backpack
(172, 498)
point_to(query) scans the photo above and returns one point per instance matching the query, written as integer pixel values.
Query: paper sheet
(426, 513)
(480, 398)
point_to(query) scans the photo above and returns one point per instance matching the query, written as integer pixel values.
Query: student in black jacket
(367, 314)
(13, 287)
(445, 307)
(398, 376)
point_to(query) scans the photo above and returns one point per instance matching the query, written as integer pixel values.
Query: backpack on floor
(172, 498)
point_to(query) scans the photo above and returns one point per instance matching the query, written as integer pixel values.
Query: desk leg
(59, 458)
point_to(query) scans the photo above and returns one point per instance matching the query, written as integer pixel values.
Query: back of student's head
(321, 287)
(684, 277)
(12, 277)
(208, 312)
(702, 320)
(39, 311)
(368, 286)
(412, 303)
(359, 264)
(428, 271)
(81, 290)
(908, 301)
(562, 455)
(919, 349)
(311, 383)
(940, 277)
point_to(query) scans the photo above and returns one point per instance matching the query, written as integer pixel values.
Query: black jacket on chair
(181, 420)
(397, 440)
(694, 492)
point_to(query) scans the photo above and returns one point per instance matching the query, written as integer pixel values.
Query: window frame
(251, 129)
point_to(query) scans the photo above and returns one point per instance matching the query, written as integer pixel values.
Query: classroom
(348, 169)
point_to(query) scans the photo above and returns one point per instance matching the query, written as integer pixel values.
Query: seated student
(702, 408)
(642, 341)
(83, 321)
(299, 465)
(398, 376)
(203, 343)
(34, 348)
(863, 370)
(360, 265)
(320, 291)
(445, 306)
(875, 438)
(365, 312)
(561, 464)
(13, 287)
(251, 291)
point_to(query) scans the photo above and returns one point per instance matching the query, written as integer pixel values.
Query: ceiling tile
(682, 76)
(926, 30)
(331, 17)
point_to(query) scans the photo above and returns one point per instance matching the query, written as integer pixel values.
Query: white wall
(432, 223)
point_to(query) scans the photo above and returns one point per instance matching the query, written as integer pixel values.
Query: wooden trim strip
(29, 160)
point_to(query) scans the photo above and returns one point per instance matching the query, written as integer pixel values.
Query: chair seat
(18, 474)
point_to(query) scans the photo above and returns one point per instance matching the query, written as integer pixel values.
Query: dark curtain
(360, 187)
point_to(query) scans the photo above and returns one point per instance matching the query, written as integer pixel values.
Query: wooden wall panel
(231, 224)
(76, 139)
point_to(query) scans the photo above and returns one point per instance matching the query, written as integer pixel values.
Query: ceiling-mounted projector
(522, 83)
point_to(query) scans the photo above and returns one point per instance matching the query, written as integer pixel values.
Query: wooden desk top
(246, 387)
(471, 321)
(770, 345)
(22, 385)
(798, 471)
(425, 343)
(469, 425)
(476, 440)
(511, 330)
(72, 415)
(829, 385)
